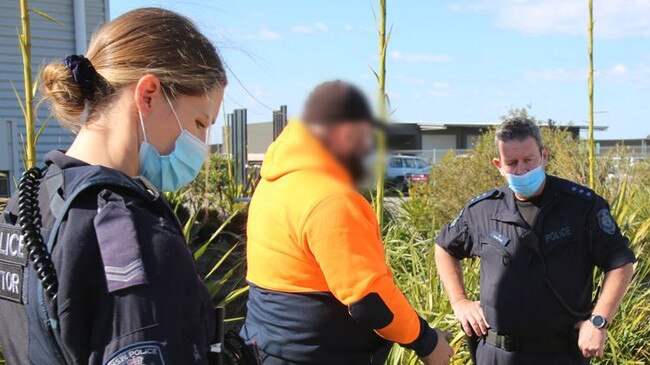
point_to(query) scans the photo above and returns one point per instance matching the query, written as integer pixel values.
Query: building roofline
(424, 126)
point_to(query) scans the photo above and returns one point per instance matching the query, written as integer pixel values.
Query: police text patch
(557, 234)
(606, 221)
(141, 353)
(11, 282)
(12, 245)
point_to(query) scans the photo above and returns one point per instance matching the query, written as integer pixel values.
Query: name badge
(500, 237)
(11, 282)
(12, 245)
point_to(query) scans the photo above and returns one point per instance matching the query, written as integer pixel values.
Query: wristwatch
(599, 321)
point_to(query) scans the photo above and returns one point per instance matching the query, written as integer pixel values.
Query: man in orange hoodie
(320, 289)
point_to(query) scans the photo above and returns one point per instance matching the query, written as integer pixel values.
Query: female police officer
(111, 281)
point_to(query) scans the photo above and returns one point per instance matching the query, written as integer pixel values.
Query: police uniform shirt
(128, 288)
(576, 233)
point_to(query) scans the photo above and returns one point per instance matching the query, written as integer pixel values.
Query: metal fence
(433, 156)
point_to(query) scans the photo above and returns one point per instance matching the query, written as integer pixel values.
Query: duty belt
(548, 345)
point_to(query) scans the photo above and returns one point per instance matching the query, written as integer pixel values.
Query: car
(403, 170)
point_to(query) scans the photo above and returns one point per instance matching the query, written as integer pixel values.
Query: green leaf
(19, 99)
(42, 128)
(220, 262)
(234, 295)
(201, 250)
(47, 16)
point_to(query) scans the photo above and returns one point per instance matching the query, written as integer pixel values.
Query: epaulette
(578, 190)
(490, 194)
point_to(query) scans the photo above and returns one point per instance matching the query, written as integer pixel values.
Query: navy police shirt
(576, 233)
(128, 291)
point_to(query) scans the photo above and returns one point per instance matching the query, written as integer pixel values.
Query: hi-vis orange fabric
(310, 231)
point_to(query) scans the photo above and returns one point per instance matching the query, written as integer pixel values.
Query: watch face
(598, 321)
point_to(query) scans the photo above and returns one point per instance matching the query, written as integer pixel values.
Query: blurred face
(350, 143)
(517, 157)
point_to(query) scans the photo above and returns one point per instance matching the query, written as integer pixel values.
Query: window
(421, 164)
(4, 184)
(409, 162)
(395, 162)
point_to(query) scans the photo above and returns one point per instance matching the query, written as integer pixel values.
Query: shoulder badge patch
(453, 223)
(606, 221)
(141, 353)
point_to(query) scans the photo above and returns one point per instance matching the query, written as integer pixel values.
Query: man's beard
(356, 167)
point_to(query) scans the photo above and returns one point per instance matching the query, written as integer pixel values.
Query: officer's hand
(591, 340)
(442, 354)
(471, 317)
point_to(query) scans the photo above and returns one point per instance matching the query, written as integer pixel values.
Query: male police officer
(321, 292)
(538, 238)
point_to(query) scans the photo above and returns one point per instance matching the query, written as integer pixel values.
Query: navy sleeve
(133, 294)
(609, 248)
(455, 237)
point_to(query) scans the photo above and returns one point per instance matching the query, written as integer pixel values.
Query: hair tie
(83, 74)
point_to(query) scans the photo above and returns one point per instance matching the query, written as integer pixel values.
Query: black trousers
(379, 358)
(487, 354)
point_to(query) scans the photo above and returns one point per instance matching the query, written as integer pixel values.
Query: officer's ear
(147, 90)
(497, 163)
(545, 155)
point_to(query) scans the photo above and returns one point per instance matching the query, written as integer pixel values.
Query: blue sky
(449, 61)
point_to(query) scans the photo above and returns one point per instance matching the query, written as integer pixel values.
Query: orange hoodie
(310, 231)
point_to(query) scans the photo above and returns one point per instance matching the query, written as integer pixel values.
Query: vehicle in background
(403, 170)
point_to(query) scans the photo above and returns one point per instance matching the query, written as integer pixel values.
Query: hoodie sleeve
(342, 234)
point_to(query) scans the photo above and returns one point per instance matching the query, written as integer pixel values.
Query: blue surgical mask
(528, 184)
(180, 167)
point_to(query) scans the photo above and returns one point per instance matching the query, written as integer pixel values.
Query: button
(506, 260)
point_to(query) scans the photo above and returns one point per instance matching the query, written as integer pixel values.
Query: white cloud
(310, 28)
(268, 34)
(263, 34)
(638, 75)
(555, 75)
(613, 19)
(619, 69)
(347, 27)
(418, 58)
(442, 89)
(410, 80)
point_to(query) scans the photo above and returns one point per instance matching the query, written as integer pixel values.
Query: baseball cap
(337, 101)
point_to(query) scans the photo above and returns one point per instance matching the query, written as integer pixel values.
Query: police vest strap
(62, 185)
(76, 180)
(491, 194)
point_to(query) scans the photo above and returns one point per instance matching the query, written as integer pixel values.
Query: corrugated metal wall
(49, 41)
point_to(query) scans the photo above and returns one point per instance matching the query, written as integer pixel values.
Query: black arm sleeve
(609, 248)
(455, 237)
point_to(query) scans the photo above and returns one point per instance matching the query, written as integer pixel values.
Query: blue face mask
(180, 167)
(528, 184)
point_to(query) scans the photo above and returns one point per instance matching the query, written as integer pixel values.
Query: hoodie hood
(297, 149)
